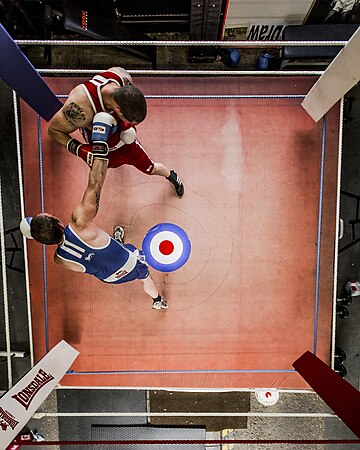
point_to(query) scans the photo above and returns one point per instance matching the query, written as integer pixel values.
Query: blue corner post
(18, 72)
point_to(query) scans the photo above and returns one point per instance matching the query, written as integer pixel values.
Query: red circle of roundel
(166, 247)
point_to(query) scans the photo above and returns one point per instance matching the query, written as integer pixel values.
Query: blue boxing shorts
(140, 271)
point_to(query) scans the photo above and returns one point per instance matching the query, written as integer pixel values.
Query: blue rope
(316, 312)
(165, 372)
(43, 246)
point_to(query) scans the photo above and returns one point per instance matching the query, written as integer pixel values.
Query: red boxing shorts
(132, 154)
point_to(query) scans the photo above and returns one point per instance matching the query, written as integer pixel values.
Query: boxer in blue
(82, 245)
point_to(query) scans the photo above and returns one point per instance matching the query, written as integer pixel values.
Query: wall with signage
(259, 20)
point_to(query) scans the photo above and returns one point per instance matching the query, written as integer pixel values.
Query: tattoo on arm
(97, 200)
(74, 114)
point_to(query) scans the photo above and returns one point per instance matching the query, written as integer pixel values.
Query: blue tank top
(109, 263)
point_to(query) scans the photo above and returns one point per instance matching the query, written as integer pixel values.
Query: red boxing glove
(74, 147)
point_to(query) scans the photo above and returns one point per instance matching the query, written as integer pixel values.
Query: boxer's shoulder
(123, 74)
(77, 108)
(78, 94)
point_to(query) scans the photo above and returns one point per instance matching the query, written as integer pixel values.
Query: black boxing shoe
(119, 234)
(176, 181)
(160, 304)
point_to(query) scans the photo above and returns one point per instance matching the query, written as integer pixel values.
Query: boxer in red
(112, 92)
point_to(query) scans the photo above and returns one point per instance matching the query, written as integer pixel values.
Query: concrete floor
(348, 337)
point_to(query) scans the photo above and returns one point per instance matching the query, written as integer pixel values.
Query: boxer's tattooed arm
(97, 200)
(74, 114)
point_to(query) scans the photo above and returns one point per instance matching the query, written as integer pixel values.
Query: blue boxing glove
(103, 125)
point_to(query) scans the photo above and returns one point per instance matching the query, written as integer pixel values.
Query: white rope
(180, 414)
(5, 293)
(152, 388)
(22, 210)
(336, 247)
(194, 72)
(231, 44)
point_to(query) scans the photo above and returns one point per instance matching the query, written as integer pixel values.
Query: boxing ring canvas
(259, 207)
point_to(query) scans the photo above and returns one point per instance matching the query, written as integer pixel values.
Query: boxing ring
(260, 207)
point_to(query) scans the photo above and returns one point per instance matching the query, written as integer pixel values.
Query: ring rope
(197, 97)
(231, 44)
(208, 442)
(22, 210)
(41, 415)
(318, 246)
(174, 389)
(167, 372)
(221, 96)
(5, 292)
(336, 247)
(43, 245)
(192, 72)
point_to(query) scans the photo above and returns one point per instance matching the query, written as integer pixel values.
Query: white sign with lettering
(19, 404)
(264, 32)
